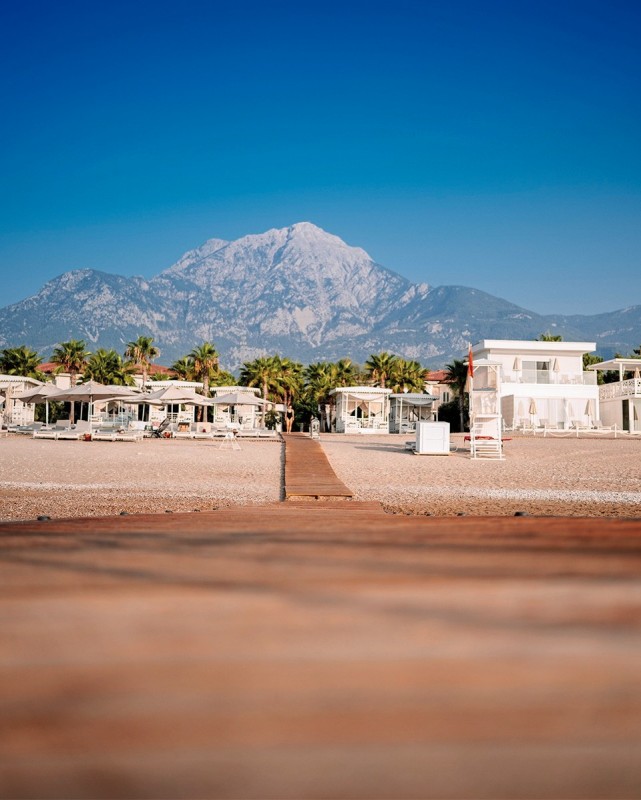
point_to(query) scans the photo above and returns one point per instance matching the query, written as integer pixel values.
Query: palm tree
(549, 337)
(345, 372)
(457, 378)
(71, 357)
(205, 364)
(21, 361)
(291, 379)
(320, 379)
(106, 366)
(141, 353)
(223, 378)
(204, 359)
(184, 368)
(408, 376)
(264, 372)
(380, 367)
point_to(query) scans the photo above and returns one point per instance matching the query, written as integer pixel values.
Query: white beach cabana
(94, 393)
(243, 412)
(175, 403)
(40, 394)
(620, 401)
(15, 410)
(238, 407)
(408, 408)
(361, 409)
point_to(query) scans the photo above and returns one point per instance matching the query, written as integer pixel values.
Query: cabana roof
(229, 389)
(364, 392)
(413, 398)
(628, 364)
(6, 380)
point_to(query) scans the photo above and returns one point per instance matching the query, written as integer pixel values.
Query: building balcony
(549, 377)
(629, 388)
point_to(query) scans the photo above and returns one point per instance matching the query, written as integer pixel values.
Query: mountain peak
(298, 291)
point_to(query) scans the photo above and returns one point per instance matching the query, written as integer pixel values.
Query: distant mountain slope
(299, 291)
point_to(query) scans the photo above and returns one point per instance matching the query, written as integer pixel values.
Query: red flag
(470, 364)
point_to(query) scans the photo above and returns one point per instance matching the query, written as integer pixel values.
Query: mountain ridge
(300, 291)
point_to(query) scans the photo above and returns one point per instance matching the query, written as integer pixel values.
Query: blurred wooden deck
(321, 650)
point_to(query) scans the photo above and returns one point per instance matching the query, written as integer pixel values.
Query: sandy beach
(544, 476)
(560, 477)
(88, 479)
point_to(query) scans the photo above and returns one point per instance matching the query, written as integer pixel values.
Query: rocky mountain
(298, 291)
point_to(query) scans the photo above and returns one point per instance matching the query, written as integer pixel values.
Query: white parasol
(170, 394)
(92, 390)
(237, 399)
(40, 394)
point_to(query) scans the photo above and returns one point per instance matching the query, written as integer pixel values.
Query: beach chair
(203, 431)
(76, 431)
(30, 428)
(54, 431)
(184, 430)
(159, 432)
(598, 427)
(103, 435)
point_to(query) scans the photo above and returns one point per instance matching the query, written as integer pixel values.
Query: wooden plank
(307, 470)
(320, 649)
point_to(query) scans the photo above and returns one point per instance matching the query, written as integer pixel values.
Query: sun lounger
(76, 432)
(46, 433)
(600, 428)
(203, 430)
(184, 430)
(28, 429)
(134, 433)
(103, 435)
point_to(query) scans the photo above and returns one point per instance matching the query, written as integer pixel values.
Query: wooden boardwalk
(308, 472)
(320, 650)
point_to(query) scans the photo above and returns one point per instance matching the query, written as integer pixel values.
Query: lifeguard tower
(486, 422)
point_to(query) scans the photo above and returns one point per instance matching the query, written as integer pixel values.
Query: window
(536, 371)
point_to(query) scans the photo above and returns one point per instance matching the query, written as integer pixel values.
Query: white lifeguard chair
(486, 422)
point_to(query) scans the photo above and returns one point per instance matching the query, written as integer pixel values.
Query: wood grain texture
(320, 649)
(307, 470)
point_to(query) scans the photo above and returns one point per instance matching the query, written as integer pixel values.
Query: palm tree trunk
(73, 378)
(202, 413)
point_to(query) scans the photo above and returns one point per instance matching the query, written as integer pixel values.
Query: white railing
(543, 376)
(629, 388)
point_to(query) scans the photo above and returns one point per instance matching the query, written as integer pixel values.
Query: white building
(243, 414)
(439, 387)
(175, 412)
(620, 401)
(543, 383)
(361, 409)
(15, 412)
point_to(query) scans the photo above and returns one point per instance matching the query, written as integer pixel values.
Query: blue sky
(494, 145)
